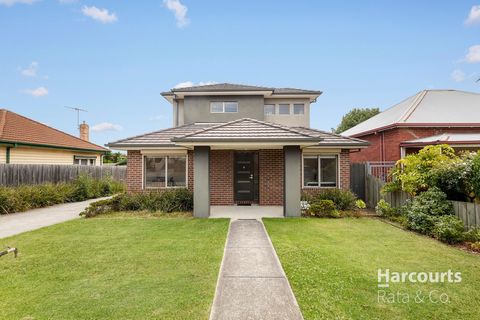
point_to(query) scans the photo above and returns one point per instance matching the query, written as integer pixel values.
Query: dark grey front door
(246, 180)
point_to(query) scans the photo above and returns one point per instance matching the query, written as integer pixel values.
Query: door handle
(251, 177)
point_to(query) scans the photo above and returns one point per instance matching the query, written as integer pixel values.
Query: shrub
(26, 197)
(448, 229)
(323, 208)
(475, 246)
(472, 235)
(360, 204)
(384, 209)
(173, 200)
(343, 199)
(425, 208)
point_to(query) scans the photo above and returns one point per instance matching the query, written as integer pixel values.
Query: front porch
(247, 183)
(246, 212)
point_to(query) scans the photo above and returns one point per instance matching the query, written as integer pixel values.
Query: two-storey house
(240, 145)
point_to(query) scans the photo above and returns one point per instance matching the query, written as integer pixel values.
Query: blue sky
(115, 57)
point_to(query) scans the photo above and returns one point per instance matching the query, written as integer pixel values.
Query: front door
(246, 177)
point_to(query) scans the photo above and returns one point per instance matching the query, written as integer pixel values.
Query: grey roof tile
(239, 87)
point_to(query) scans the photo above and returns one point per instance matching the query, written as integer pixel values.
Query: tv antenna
(78, 110)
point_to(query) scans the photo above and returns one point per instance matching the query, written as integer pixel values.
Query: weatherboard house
(240, 145)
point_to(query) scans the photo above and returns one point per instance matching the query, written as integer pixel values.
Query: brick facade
(221, 178)
(385, 145)
(271, 179)
(271, 173)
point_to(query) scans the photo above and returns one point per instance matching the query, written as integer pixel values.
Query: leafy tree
(354, 117)
(115, 157)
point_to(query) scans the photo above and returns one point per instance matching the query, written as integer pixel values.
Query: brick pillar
(134, 171)
(345, 169)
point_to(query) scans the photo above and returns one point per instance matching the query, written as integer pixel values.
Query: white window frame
(223, 106)
(88, 158)
(318, 157)
(166, 156)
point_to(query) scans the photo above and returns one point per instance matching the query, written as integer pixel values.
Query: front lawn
(113, 268)
(332, 267)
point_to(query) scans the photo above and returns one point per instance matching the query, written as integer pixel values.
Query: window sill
(318, 187)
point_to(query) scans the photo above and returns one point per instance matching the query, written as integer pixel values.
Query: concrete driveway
(15, 223)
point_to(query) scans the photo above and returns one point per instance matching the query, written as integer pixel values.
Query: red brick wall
(389, 150)
(134, 171)
(221, 178)
(271, 177)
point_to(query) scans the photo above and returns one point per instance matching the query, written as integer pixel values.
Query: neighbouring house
(26, 141)
(240, 145)
(429, 117)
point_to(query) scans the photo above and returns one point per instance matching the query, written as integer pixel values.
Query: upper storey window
(283, 109)
(298, 108)
(224, 107)
(269, 109)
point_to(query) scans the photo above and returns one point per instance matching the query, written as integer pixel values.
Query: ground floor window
(84, 161)
(165, 171)
(320, 171)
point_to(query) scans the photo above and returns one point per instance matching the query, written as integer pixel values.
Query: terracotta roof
(241, 130)
(240, 87)
(428, 108)
(15, 128)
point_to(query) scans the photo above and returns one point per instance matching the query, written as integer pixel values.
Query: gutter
(27, 144)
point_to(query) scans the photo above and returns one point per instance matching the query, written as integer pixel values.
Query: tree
(354, 117)
(115, 157)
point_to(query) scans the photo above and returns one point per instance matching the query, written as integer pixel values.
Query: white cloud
(31, 70)
(101, 15)
(38, 92)
(106, 126)
(179, 10)
(473, 55)
(473, 16)
(458, 75)
(187, 84)
(9, 3)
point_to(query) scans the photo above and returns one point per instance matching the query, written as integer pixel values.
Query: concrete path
(252, 283)
(15, 223)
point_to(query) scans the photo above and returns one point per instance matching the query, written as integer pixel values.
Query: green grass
(332, 267)
(118, 268)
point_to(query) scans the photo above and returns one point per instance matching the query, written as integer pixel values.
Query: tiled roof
(19, 129)
(247, 129)
(160, 138)
(241, 130)
(239, 87)
(448, 138)
(332, 139)
(428, 107)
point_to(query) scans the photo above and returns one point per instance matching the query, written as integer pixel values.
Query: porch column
(201, 182)
(292, 181)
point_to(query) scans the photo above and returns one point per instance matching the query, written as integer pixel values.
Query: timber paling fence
(468, 212)
(24, 174)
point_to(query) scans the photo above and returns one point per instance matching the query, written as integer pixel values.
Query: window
(84, 160)
(283, 109)
(165, 171)
(269, 109)
(298, 109)
(223, 107)
(320, 171)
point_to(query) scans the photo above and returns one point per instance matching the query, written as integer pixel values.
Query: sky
(113, 58)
